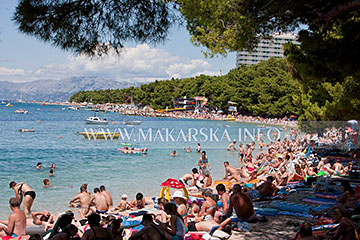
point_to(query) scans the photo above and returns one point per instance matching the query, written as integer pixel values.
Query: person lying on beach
(68, 233)
(193, 176)
(24, 191)
(98, 203)
(150, 231)
(96, 232)
(16, 224)
(82, 199)
(124, 204)
(43, 218)
(230, 172)
(267, 188)
(107, 195)
(232, 146)
(347, 201)
(138, 202)
(173, 154)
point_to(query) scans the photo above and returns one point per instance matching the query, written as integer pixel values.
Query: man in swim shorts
(194, 176)
(16, 225)
(232, 146)
(82, 199)
(98, 203)
(107, 195)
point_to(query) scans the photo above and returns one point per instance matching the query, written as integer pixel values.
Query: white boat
(96, 120)
(21, 111)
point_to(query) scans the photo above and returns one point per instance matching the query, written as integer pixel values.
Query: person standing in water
(24, 191)
(203, 162)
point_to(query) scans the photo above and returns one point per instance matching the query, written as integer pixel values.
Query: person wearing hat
(181, 202)
(150, 230)
(124, 204)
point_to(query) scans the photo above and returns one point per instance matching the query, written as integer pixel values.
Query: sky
(24, 58)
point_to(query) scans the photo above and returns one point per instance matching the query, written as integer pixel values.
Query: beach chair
(59, 226)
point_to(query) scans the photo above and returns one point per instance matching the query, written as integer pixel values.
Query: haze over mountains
(57, 90)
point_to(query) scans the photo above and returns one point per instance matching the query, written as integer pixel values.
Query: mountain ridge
(58, 90)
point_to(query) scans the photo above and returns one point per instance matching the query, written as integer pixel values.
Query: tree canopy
(265, 89)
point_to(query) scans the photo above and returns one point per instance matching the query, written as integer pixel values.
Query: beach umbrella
(172, 183)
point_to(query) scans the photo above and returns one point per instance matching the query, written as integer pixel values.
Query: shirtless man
(232, 146)
(26, 193)
(138, 202)
(173, 154)
(43, 218)
(16, 225)
(107, 195)
(150, 231)
(267, 188)
(242, 203)
(99, 202)
(82, 199)
(230, 172)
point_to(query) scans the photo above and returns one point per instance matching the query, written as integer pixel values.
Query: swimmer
(232, 146)
(173, 154)
(198, 148)
(53, 166)
(51, 173)
(46, 183)
(124, 204)
(38, 165)
(187, 149)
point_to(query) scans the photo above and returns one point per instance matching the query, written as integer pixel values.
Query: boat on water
(100, 135)
(3, 102)
(21, 111)
(26, 130)
(9, 104)
(73, 108)
(229, 118)
(96, 120)
(132, 123)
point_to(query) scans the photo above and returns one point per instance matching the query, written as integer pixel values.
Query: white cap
(124, 196)
(178, 194)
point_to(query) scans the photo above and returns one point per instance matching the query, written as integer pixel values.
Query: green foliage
(266, 88)
(93, 27)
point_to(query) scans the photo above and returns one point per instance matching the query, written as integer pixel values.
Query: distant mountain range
(57, 90)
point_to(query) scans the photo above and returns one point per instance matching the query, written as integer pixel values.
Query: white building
(266, 49)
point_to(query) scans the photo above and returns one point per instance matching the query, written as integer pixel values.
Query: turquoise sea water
(79, 160)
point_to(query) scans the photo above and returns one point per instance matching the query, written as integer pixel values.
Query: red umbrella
(173, 183)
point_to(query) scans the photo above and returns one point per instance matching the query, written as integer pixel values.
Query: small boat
(9, 105)
(73, 108)
(229, 118)
(21, 111)
(133, 123)
(26, 130)
(2, 102)
(100, 135)
(96, 120)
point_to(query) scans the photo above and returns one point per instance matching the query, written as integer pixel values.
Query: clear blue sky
(24, 58)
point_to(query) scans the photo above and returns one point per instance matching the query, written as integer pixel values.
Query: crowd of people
(257, 177)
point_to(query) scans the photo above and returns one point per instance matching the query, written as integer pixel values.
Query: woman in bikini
(208, 207)
(203, 162)
(24, 191)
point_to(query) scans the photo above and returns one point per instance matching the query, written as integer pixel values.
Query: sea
(99, 162)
